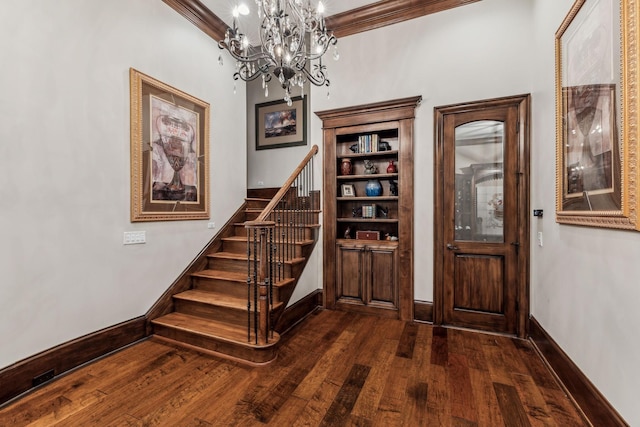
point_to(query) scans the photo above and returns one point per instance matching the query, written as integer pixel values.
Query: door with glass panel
(481, 216)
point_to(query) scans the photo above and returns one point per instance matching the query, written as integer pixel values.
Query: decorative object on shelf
(368, 235)
(169, 152)
(347, 232)
(346, 168)
(356, 212)
(392, 168)
(369, 167)
(348, 190)
(373, 188)
(280, 124)
(292, 35)
(384, 146)
(383, 211)
(393, 187)
(354, 148)
(388, 236)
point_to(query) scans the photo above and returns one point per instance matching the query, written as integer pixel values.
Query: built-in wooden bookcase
(368, 234)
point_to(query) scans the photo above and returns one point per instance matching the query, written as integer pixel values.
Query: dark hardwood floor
(334, 369)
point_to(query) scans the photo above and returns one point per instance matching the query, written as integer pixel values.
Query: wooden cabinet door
(349, 264)
(367, 278)
(382, 283)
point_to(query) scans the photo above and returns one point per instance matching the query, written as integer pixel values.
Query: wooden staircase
(218, 310)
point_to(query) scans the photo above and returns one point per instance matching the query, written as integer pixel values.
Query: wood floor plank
(394, 396)
(533, 401)
(335, 368)
(460, 391)
(486, 401)
(439, 347)
(318, 405)
(367, 404)
(341, 407)
(438, 403)
(511, 406)
(407, 341)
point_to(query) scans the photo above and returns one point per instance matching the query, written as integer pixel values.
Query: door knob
(452, 247)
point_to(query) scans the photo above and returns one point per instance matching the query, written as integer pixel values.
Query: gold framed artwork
(597, 115)
(169, 152)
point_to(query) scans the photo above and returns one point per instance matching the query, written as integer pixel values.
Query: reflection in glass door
(479, 185)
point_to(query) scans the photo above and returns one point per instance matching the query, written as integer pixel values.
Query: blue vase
(373, 188)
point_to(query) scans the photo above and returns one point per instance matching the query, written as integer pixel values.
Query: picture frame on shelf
(169, 152)
(596, 115)
(348, 190)
(281, 125)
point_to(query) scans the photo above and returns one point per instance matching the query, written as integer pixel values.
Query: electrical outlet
(211, 225)
(135, 237)
(260, 183)
(540, 238)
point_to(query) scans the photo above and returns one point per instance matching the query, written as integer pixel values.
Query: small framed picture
(348, 190)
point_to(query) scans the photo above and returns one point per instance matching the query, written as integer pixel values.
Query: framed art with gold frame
(597, 115)
(169, 152)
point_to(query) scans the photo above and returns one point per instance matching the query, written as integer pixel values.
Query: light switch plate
(135, 237)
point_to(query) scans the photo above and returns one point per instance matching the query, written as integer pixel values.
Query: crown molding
(354, 21)
(386, 12)
(200, 16)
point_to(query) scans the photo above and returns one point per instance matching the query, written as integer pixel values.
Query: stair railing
(271, 245)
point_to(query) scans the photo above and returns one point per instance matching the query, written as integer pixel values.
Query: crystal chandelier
(293, 39)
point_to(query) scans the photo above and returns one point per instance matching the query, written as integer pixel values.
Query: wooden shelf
(380, 220)
(388, 153)
(367, 176)
(368, 199)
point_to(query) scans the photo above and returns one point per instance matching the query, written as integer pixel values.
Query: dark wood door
(482, 216)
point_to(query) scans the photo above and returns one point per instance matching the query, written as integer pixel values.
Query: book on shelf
(368, 143)
(369, 211)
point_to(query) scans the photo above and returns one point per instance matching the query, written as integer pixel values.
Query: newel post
(260, 260)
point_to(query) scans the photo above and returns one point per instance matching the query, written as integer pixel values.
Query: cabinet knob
(452, 247)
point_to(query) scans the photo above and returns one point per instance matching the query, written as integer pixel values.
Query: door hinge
(518, 126)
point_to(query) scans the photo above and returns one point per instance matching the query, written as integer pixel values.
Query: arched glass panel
(479, 168)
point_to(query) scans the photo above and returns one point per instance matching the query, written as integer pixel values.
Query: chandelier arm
(318, 78)
(325, 46)
(249, 58)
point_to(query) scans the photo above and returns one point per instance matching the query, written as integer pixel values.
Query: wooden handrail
(286, 186)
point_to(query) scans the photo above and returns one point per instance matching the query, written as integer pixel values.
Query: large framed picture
(597, 115)
(169, 152)
(281, 125)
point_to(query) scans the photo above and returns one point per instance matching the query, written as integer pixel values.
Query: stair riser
(295, 233)
(233, 316)
(257, 204)
(228, 287)
(255, 355)
(240, 266)
(239, 247)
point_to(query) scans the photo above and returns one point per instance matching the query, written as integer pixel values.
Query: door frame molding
(523, 104)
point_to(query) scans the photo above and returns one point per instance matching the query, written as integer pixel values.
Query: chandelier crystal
(293, 39)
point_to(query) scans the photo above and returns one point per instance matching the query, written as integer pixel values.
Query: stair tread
(207, 327)
(232, 276)
(242, 224)
(216, 298)
(244, 239)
